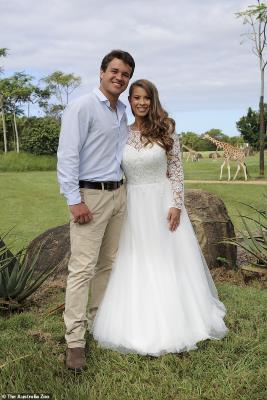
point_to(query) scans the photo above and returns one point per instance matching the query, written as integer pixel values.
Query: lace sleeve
(175, 173)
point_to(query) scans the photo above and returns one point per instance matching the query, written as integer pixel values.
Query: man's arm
(74, 130)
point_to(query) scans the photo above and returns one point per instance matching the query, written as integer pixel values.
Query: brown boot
(75, 359)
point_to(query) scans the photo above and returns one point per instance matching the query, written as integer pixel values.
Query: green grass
(207, 169)
(230, 369)
(31, 204)
(18, 162)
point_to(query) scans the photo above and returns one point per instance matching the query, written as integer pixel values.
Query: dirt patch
(222, 274)
(49, 290)
(235, 276)
(244, 258)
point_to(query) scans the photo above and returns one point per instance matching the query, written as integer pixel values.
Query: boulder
(207, 213)
(55, 248)
(214, 155)
(211, 224)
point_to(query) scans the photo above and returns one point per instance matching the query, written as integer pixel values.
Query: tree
(16, 91)
(256, 17)
(249, 126)
(61, 86)
(190, 139)
(3, 53)
(237, 141)
(217, 134)
(39, 96)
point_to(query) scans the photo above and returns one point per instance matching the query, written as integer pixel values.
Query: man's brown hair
(121, 55)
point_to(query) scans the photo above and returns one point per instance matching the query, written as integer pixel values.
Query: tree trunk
(4, 122)
(262, 125)
(4, 131)
(16, 132)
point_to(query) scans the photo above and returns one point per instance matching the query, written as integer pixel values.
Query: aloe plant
(18, 277)
(254, 243)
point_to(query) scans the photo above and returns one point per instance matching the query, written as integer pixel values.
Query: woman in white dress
(160, 297)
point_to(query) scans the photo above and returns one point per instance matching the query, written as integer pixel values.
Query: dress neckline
(134, 130)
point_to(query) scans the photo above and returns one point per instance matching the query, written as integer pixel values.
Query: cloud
(190, 50)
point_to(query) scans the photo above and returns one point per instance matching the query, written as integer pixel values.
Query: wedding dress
(160, 297)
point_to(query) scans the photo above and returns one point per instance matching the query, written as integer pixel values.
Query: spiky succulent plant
(18, 277)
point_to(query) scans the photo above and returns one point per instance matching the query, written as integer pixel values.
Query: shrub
(39, 135)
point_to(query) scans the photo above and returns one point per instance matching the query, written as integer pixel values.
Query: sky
(191, 50)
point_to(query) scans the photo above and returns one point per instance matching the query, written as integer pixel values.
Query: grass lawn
(32, 358)
(31, 203)
(19, 162)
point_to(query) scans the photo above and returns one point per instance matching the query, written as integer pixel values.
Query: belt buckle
(110, 186)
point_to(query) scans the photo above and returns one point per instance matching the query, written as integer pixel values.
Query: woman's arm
(176, 176)
(175, 173)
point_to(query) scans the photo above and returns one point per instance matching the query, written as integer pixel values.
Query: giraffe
(230, 153)
(191, 153)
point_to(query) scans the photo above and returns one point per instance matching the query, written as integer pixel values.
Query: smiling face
(140, 102)
(114, 80)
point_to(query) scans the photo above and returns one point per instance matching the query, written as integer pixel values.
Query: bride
(160, 297)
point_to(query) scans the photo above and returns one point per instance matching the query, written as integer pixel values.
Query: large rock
(55, 248)
(207, 213)
(212, 224)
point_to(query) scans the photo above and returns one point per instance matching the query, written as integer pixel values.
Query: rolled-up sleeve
(74, 130)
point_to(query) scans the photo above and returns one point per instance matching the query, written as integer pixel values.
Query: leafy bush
(39, 135)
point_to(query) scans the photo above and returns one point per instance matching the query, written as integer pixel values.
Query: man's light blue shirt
(91, 143)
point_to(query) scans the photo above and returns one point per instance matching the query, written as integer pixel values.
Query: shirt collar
(102, 97)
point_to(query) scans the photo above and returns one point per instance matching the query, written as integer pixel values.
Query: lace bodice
(150, 164)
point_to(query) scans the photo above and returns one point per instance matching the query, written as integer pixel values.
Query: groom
(93, 134)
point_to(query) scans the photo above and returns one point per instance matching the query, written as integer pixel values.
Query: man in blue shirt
(93, 134)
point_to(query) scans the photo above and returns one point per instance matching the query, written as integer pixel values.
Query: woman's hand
(174, 218)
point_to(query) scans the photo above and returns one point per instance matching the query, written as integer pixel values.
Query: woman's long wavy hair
(157, 126)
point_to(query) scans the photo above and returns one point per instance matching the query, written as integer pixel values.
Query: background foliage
(39, 135)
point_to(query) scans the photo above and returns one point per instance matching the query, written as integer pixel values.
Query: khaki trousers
(93, 249)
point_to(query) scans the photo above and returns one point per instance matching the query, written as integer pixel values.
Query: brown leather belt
(108, 185)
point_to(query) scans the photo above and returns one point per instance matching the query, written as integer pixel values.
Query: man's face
(116, 78)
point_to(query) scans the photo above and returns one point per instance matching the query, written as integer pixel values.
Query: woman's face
(140, 102)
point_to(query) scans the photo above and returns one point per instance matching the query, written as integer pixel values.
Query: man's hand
(174, 218)
(81, 213)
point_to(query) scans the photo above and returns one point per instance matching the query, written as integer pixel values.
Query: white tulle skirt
(160, 297)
